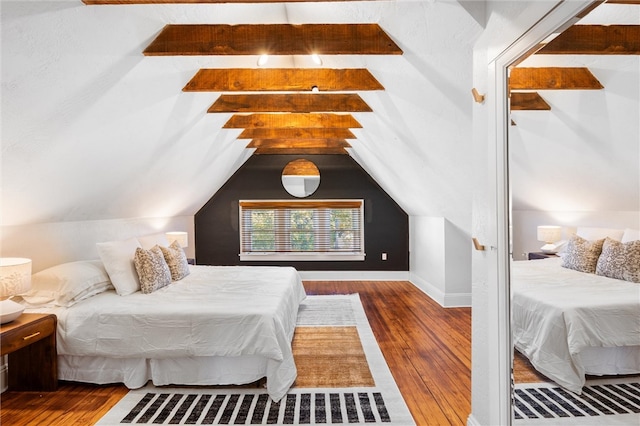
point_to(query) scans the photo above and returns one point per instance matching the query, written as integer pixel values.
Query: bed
(571, 323)
(217, 325)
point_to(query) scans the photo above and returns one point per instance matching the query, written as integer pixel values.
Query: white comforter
(558, 312)
(215, 311)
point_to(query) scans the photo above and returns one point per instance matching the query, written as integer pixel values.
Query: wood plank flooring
(427, 347)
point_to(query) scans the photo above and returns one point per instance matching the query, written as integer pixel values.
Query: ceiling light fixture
(316, 59)
(263, 59)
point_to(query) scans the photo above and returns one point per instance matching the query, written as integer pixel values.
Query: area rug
(343, 379)
(604, 402)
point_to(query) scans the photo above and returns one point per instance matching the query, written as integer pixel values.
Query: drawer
(22, 336)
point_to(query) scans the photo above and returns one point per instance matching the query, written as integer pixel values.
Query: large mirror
(573, 125)
(301, 178)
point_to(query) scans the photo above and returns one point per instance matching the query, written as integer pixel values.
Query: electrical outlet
(384, 256)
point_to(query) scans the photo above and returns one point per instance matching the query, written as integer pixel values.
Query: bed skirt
(196, 371)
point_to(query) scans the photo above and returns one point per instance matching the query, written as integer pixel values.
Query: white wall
(440, 259)
(48, 244)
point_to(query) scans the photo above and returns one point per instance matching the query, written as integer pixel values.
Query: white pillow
(630, 235)
(68, 283)
(592, 234)
(117, 257)
(149, 241)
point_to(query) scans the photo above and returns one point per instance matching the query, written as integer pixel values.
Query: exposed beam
(595, 40)
(300, 151)
(298, 143)
(317, 133)
(528, 101)
(282, 79)
(291, 120)
(296, 102)
(553, 79)
(273, 39)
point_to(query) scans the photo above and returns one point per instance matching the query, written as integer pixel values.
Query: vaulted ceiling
(144, 108)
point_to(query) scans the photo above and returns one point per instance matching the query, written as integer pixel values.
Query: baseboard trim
(354, 275)
(454, 300)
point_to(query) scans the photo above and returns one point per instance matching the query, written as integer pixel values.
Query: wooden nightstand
(540, 255)
(30, 342)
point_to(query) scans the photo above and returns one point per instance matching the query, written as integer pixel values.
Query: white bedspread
(215, 311)
(558, 312)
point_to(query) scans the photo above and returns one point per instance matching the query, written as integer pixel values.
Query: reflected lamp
(549, 235)
(15, 279)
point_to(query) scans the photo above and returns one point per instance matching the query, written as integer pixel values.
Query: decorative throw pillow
(152, 269)
(582, 255)
(620, 260)
(177, 261)
(117, 258)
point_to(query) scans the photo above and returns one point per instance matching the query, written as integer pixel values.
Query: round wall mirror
(300, 178)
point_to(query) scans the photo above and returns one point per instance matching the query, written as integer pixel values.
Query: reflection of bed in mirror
(570, 323)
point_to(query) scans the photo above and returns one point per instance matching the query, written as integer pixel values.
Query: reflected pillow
(177, 261)
(152, 269)
(620, 260)
(582, 255)
(68, 283)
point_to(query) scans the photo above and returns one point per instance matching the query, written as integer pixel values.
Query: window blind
(313, 228)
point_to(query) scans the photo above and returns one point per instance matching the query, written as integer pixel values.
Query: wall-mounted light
(263, 59)
(316, 59)
(315, 89)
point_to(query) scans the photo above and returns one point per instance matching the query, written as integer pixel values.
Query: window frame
(286, 206)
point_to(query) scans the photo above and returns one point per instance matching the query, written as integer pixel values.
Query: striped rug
(603, 402)
(364, 403)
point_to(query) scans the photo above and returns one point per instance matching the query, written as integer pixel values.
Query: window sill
(302, 257)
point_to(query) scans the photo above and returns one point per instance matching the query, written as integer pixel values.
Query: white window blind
(302, 230)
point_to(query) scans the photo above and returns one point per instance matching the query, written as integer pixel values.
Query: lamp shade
(181, 237)
(15, 276)
(549, 234)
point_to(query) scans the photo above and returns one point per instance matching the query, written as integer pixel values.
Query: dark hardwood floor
(427, 347)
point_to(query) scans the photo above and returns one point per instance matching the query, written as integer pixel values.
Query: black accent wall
(386, 225)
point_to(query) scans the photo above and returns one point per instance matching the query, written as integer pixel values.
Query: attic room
(106, 136)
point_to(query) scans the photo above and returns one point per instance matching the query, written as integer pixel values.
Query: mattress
(216, 311)
(560, 316)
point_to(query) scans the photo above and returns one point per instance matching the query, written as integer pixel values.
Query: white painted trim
(355, 275)
(471, 421)
(445, 300)
(499, 327)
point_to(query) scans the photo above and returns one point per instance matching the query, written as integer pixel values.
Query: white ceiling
(92, 129)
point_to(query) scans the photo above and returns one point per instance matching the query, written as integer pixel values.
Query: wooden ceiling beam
(292, 121)
(298, 143)
(272, 39)
(295, 102)
(282, 80)
(595, 40)
(300, 151)
(553, 79)
(317, 133)
(528, 101)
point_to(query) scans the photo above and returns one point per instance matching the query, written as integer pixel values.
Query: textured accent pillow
(117, 257)
(177, 261)
(152, 269)
(68, 283)
(620, 260)
(582, 255)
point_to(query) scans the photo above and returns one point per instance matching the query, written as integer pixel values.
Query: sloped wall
(386, 224)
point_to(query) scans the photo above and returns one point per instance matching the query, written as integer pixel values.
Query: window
(302, 230)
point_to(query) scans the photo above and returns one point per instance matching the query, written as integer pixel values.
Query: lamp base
(549, 249)
(9, 311)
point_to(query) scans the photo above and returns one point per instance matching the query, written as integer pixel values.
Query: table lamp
(15, 278)
(550, 235)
